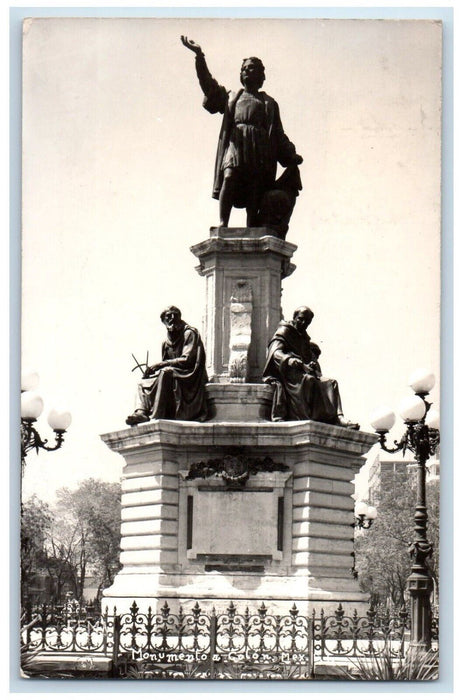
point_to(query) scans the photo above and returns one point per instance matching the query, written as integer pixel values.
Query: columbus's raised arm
(213, 92)
(190, 44)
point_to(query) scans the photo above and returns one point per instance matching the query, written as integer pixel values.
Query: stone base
(239, 402)
(238, 511)
(217, 590)
(237, 232)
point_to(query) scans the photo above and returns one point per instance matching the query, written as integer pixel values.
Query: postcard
(231, 236)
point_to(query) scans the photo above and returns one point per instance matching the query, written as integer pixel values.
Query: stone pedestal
(238, 508)
(283, 535)
(254, 260)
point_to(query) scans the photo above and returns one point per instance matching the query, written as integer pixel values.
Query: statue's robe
(300, 394)
(179, 390)
(218, 99)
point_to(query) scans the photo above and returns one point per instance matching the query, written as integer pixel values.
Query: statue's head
(252, 73)
(171, 317)
(302, 318)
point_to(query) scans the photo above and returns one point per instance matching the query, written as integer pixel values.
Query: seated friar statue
(174, 388)
(301, 392)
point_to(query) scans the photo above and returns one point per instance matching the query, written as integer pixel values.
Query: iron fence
(209, 645)
(65, 628)
(199, 644)
(340, 635)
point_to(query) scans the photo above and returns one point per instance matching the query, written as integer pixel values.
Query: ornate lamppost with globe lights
(31, 409)
(364, 517)
(421, 437)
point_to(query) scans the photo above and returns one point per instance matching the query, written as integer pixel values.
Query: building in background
(386, 476)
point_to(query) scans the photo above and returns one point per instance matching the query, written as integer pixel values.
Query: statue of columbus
(251, 141)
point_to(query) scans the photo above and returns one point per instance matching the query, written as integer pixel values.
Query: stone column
(254, 257)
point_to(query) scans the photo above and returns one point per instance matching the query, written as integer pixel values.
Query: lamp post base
(420, 587)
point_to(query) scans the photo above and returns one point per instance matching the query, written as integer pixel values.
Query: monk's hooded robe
(300, 394)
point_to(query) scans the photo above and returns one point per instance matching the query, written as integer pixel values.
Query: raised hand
(190, 44)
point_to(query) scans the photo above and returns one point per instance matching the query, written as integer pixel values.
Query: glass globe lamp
(360, 509)
(31, 405)
(421, 381)
(29, 380)
(433, 419)
(371, 513)
(382, 419)
(412, 408)
(59, 421)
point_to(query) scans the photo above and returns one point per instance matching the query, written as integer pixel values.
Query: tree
(87, 531)
(381, 553)
(36, 523)
(64, 552)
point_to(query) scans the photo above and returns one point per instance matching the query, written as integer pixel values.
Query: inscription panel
(240, 522)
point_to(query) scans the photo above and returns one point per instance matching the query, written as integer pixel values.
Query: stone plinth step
(239, 402)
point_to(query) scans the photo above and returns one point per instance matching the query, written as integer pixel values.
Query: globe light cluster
(411, 408)
(32, 404)
(363, 509)
(364, 515)
(31, 409)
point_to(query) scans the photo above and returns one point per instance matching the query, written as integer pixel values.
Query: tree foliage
(36, 523)
(381, 553)
(77, 537)
(89, 522)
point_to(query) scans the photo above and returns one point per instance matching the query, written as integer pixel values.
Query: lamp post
(421, 437)
(31, 408)
(364, 515)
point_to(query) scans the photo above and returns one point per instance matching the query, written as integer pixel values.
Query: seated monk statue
(174, 388)
(301, 392)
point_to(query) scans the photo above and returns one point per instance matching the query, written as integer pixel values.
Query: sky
(118, 158)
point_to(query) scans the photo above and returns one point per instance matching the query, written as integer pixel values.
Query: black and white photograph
(230, 349)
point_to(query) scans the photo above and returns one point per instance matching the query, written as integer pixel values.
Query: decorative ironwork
(362, 522)
(418, 438)
(235, 470)
(225, 645)
(229, 645)
(340, 635)
(65, 629)
(31, 440)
